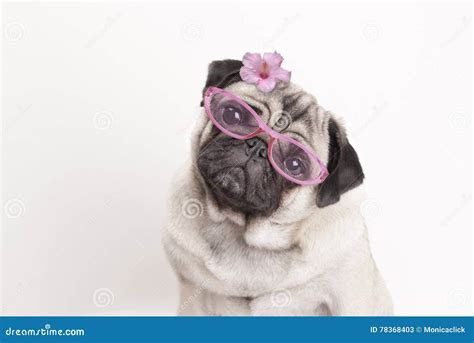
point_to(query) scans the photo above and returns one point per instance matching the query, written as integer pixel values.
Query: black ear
(345, 171)
(222, 73)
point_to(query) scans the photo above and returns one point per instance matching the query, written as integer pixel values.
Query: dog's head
(237, 173)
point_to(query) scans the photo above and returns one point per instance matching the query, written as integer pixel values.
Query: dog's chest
(248, 269)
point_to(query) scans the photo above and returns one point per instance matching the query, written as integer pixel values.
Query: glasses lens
(294, 161)
(232, 115)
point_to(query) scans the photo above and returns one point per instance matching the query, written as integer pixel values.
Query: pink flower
(264, 72)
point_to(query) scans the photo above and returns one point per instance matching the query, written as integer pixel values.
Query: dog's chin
(239, 182)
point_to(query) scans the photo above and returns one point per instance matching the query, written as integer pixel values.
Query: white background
(99, 101)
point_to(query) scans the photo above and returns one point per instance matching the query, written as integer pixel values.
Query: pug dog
(243, 240)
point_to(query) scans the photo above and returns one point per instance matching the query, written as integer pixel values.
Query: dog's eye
(294, 165)
(231, 115)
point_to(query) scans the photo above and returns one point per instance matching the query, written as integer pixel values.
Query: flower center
(264, 70)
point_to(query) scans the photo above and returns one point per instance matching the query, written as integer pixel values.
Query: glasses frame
(263, 128)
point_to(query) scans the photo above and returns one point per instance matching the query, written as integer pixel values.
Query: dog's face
(238, 174)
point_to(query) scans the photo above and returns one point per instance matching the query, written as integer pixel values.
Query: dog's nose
(256, 147)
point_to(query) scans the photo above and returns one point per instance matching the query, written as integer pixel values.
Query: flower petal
(252, 60)
(264, 71)
(249, 75)
(273, 59)
(266, 85)
(282, 74)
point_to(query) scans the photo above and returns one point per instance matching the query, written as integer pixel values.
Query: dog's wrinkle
(261, 199)
(215, 160)
(206, 148)
(260, 102)
(217, 164)
(224, 200)
(259, 189)
(291, 100)
(223, 172)
(299, 112)
(255, 168)
(309, 124)
(232, 181)
(232, 142)
(298, 105)
(260, 194)
(223, 141)
(214, 154)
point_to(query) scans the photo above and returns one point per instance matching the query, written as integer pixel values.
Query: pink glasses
(235, 118)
